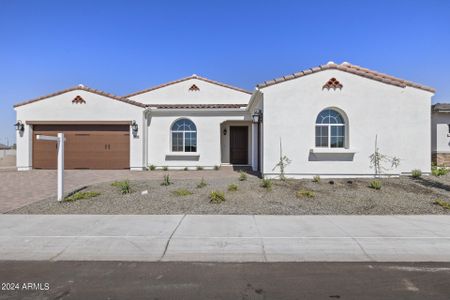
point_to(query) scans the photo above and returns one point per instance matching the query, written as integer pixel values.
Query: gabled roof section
(353, 69)
(194, 76)
(82, 88)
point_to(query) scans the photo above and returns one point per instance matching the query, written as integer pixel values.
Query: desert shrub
(438, 171)
(152, 168)
(81, 195)
(443, 204)
(242, 176)
(305, 193)
(124, 186)
(202, 183)
(199, 168)
(216, 197)
(331, 182)
(186, 169)
(416, 173)
(166, 180)
(316, 179)
(232, 187)
(266, 183)
(375, 184)
(216, 168)
(182, 192)
(165, 168)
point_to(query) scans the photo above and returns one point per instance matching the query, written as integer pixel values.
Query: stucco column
(254, 146)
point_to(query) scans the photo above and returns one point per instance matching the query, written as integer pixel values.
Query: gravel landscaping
(403, 195)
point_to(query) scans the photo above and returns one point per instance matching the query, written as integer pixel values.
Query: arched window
(330, 129)
(184, 136)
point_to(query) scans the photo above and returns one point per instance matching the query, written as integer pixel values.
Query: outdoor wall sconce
(257, 116)
(19, 126)
(135, 128)
(225, 131)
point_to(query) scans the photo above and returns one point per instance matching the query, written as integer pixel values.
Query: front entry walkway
(18, 189)
(225, 238)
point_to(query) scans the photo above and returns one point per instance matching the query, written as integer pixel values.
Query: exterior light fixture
(19, 126)
(257, 116)
(134, 127)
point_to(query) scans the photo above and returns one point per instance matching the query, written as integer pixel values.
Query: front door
(239, 145)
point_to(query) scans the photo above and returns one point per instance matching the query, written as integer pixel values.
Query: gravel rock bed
(403, 195)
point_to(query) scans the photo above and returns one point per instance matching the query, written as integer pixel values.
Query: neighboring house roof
(197, 106)
(188, 78)
(353, 69)
(83, 88)
(441, 107)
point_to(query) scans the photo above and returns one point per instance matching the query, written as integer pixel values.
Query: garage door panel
(86, 147)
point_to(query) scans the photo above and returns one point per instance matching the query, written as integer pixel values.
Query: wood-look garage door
(86, 147)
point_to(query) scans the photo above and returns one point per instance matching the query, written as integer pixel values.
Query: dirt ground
(403, 195)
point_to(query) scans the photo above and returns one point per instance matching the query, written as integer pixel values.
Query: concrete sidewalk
(225, 238)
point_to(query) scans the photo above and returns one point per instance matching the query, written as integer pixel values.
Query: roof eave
(184, 79)
(81, 88)
(356, 70)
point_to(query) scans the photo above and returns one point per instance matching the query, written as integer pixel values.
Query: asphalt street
(188, 280)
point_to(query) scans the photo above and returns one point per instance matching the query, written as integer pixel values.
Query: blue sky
(124, 46)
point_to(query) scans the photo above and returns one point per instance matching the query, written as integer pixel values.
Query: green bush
(202, 183)
(443, 204)
(266, 183)
(124, 186)
(186, 169)
(375, 184)
(305, 193)
(199, 168)
(152, 168)
(416, 173)
(216, 168)
(182, 192)
(216, 197)
(438, 171)
(165, 168)
(242, 176)
(166, 180)
(232, 187)
(81, 195)
(316, 179)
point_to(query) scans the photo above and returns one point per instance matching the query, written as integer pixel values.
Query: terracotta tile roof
(197, 106)
(83, 88)
(441, 107)
(353, 69)
(188, 78)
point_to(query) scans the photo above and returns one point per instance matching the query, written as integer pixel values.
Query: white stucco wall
(61, 108)
(399, 116)
(179, 94)
(209, 135)
(440, 141)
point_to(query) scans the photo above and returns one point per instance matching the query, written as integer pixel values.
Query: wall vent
(78, 100)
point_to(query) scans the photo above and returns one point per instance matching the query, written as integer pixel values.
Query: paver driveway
(21, 188)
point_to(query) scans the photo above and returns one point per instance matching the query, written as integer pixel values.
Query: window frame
(329, 129)
(183, 132)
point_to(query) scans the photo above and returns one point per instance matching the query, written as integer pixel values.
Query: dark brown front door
(86, 147)
(239, 145)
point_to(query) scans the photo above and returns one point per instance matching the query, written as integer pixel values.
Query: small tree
(377, 160)
(282, 163)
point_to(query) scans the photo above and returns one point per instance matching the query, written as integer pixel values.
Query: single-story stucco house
(324, 119)
(440, 134)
